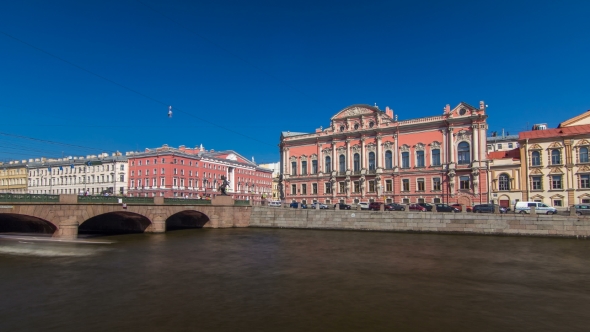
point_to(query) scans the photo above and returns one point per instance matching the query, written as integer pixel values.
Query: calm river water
(297, 280)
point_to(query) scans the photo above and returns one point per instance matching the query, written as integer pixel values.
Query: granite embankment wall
(464, 223)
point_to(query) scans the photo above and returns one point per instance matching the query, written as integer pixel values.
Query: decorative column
(287, 162)
(475, 142)
(363, 152)
(348, 165)
(334, 160)
(379, 152)
(396, 152)
(451, 147)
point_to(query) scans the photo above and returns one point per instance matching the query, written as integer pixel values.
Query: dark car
(394, 207)
(342, 206)
(417, 207)
(487, 208)
(427, 206)
(582, 209)
(295, 205)
(440, 207)
(375, 206)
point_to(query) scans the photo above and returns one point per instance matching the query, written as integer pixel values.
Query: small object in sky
(169, 111)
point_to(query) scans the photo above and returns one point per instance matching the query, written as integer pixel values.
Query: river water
(297, 280)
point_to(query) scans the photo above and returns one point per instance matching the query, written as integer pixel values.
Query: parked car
(295, 205)
(525, 207)
(487, 208)
(427, 206)
(321, 206)
(394, 207)
(440, 207)
(375, 206)
(364, 205)
(416, 208)
(342, 206)
(274, 203)
(460, 207)
(582, 209)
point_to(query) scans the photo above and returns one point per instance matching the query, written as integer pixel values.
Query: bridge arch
(187, 219)
(115, 222)
(22, 223)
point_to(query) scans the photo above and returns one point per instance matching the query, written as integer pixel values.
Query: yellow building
(13, 177)
(504, 176)
(555, 166)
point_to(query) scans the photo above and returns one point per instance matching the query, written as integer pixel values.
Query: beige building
(276, 172)
(555, 164)
(504, 176)
(13, 177)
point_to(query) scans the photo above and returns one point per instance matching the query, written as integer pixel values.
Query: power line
(50, 142)
(130, 89)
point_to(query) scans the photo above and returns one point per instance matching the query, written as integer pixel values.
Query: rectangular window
(371, 186)
(406, 201)
(175, 171)
(342, 188)
(500, 146)
(328, 187)
(388, 185)
(436, 200)
(304, 168)
(436, 184)
(405, 160)
(510, 146)
(294, 168)
(162, 171)
(314, 167)
(406, 185)
(293, 189)
(162, 182)
(556, 182)
(420, 184)
(557, 202)
(314, 188)
(436, 157)
(585, 181)
(357, 187)
(464, 182)
(419, 158)
(304, 189)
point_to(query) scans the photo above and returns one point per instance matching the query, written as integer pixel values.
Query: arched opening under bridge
(19, 223)
(119, 222)
(186, 219)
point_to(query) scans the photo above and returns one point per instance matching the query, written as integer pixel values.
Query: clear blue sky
(260, 67)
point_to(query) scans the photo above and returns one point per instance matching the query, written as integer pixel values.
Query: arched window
(371, 160)
(555, 157)
(463, 153)
(504, 182)
(328, 164)
(357, 162)
(535, 158)
(342, 164)
(388, 160)
(583, 155)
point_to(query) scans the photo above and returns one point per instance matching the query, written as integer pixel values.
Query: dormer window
(341, 128)
(356, 126)
(371, 124)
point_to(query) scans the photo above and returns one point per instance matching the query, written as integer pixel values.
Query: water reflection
(302, 280)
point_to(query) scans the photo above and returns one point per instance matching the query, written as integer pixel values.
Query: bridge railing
(28, 198)
(186, 201)
(114, 200)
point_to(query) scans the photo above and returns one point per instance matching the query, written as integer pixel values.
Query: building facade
(555, 164)
(504, 177)
(196, 173)
(368, 155)
(502, 143)
(276, 172)
(92, 175)
(13, 177)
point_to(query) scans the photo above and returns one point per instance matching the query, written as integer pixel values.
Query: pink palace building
(368, 155)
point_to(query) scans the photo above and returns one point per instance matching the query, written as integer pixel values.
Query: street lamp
(114, 182)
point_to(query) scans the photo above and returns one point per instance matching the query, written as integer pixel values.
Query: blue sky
(99, 75)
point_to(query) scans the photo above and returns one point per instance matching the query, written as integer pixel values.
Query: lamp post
(205, 181)
(114, 181)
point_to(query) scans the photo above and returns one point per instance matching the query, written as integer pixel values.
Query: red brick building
(195, 173)
(368, 155)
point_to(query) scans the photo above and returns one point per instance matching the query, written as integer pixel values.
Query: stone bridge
(65, 216)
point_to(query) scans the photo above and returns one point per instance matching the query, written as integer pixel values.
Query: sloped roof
(574, 119)
(292, 133)
(514, 154)
(556, 132)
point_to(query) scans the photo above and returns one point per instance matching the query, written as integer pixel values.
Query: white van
(540, 208)
(274, 203)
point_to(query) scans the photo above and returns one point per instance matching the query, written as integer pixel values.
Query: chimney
(389, 112)
(447, 109)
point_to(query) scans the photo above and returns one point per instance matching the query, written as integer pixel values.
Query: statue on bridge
(223, 186)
